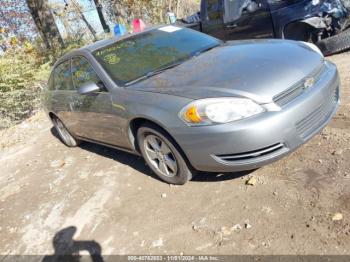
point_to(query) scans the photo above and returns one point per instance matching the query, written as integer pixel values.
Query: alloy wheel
(160, 155)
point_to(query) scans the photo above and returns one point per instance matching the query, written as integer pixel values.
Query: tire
(64, 134)
(163, 155)
(335, 44)
(299, 32)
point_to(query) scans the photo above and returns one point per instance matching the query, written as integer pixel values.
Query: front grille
(308, 125)
(290, 94)
(252, 154)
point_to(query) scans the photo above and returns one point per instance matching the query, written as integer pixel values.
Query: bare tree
(45, 23)
(100, 15)
(152, 11)
(79, 10)
(59, 10)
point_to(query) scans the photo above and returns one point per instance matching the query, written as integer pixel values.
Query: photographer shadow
(67, 249)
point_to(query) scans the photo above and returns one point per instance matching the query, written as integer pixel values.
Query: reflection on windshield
(234, 9)
(141, 54)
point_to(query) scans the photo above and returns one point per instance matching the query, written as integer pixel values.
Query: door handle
(231, 26)
(75, 103)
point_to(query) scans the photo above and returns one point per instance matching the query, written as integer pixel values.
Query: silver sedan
(188, 102)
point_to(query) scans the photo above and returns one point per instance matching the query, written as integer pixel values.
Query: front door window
(83, 73)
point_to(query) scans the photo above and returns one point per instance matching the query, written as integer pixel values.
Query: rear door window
(63, 77)
(234, 9)
(214, 9)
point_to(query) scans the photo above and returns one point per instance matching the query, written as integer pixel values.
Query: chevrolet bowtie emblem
(309, 83)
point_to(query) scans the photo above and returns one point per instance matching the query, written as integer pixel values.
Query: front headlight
(219, 110)
(313, 47)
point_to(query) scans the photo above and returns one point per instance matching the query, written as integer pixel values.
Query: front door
(98, 120)
(247, 19)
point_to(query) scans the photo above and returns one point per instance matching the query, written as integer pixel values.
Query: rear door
(62, 94)
(98, 120)
(246, 19)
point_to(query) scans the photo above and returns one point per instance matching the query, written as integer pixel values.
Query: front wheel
(335, 44)
(163, 155)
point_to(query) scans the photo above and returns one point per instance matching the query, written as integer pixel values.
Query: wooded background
(34, 33)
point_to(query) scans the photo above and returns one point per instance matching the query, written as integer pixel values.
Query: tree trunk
(91, 29)
(45, 23)
(177, 8)
(82, 16)
(100, 15)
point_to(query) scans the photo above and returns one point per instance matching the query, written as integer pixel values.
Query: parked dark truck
(323, 22)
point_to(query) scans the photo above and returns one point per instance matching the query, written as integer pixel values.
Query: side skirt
(109, 145)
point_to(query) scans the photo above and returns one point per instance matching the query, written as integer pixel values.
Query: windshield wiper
(205, 49)
(162, 69)
(154, 72)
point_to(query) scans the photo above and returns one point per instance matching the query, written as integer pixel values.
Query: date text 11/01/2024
(173, 258)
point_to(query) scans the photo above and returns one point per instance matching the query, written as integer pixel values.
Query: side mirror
(88, 88)
(252, 7)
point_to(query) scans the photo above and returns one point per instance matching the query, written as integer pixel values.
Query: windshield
(153, 50)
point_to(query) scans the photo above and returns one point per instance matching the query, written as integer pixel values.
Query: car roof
(100, 44)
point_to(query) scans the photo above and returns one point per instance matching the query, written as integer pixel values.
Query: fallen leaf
(337, 217)
(251, 181)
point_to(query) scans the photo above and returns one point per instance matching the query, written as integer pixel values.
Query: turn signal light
(192, 115)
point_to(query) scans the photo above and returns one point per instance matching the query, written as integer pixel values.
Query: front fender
(307, 12)
(316, 22)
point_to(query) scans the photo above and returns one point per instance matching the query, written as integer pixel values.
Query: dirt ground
(104, 198)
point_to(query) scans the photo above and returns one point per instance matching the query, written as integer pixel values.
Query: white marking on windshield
(169, 28)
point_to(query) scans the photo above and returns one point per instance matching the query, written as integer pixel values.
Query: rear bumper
(260, 140)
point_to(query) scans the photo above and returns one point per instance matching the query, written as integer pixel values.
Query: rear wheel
(64, 134)
(163, 155)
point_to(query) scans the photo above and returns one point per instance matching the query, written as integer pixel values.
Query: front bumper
(254, 142)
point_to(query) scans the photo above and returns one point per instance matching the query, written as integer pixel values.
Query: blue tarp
(119, 30)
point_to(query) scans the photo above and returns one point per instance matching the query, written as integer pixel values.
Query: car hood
(258, 69)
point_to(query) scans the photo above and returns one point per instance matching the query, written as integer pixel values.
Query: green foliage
(25, 66)
(24, 72)
(21, 81)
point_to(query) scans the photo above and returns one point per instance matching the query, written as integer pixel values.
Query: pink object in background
(138, 25)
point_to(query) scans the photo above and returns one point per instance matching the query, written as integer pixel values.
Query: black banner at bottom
(209, 258)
